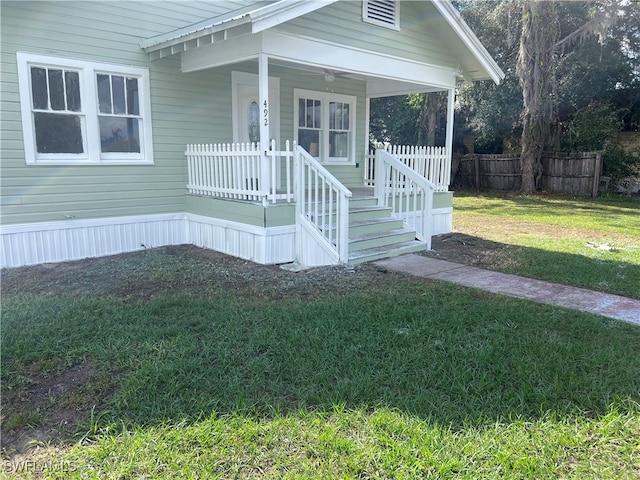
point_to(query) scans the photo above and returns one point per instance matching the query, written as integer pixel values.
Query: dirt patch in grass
(47, 407)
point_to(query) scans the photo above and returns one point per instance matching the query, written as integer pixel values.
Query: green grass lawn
(590, 243)
(177, 363)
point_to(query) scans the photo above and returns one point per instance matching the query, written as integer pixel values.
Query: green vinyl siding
(418, 38)
(442, 199)
(185, 109)
(233, 211)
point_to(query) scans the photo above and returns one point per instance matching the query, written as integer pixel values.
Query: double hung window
(76, 112)
(325, 125)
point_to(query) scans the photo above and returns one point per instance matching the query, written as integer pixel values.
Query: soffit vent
(381, 12)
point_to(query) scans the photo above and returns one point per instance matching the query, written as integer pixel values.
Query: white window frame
(325, 98)
(368, 19)
(89, 113)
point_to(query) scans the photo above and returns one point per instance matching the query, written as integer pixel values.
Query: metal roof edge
(263, 15)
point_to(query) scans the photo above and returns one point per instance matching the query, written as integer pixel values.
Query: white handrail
(322, 203)
(406, 192)
(433, 163)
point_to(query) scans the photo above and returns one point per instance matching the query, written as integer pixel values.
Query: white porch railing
(322, 209)
(240, 171)
(406, 192)
(433, 163)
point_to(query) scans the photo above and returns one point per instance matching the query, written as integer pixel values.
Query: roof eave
(464, 32)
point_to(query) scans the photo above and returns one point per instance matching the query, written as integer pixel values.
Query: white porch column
(450, 114)
(263, 94)
(449, 133)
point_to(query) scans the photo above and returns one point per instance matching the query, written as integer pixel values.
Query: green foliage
(592, 128)
(418, 119)
(587, 71)
(620, 165)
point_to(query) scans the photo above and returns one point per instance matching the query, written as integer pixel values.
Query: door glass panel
(253, 122)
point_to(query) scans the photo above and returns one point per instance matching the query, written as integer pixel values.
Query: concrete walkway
(612, 306)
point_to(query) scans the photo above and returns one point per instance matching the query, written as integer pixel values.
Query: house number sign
(265, 113)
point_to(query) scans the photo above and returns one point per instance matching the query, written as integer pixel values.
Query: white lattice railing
(240, 171)
(322, 205)
(433, 163)
(406, 192)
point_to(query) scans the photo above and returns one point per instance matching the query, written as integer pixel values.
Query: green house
(239, 126)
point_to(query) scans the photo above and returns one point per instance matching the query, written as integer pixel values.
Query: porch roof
(260, 16)
(475, 61)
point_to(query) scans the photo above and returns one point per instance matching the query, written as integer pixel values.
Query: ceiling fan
(329, 75)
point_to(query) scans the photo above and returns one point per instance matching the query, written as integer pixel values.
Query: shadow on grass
(601, 270)
(443, 353)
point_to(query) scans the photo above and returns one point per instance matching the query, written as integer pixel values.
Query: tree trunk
(535, 66)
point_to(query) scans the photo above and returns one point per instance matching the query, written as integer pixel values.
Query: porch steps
(374, 234)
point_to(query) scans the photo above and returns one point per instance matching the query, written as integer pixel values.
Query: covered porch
(299, 138)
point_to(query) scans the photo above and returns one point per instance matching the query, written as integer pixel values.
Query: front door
(247, 112)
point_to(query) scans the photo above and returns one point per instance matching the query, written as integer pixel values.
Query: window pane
(119, 134)
(302, 113)
(57, 133)
(39, 90)
(345, 116)
(309, 140)
(104, 93)
(309, 120)
(133, 101)
(317, 114)
(72, 82)
(119, 104)
(332, 114)
(56, 90)
(338, 144)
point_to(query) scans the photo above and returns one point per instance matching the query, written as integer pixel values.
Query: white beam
(325, 54)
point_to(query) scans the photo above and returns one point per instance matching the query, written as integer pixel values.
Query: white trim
(90, 129)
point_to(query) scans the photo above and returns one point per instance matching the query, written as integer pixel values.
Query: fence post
(476, 166)
(596, 174)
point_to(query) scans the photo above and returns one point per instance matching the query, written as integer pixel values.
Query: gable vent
(381, 12)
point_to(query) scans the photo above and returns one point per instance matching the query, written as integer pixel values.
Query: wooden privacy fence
(575, 173)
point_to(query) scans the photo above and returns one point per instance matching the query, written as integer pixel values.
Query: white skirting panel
(48, 242)
(314, 251)
(261, 245)
(51, 242)
(442, 220)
